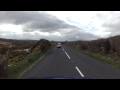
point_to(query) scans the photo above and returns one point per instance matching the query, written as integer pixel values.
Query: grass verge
(109, 59)
(17, 70)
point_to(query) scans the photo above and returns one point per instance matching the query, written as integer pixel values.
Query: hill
(13, 43)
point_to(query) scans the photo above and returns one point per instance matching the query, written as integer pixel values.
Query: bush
(107, 47)
(3, 69)
(43, 47)
(36, 49)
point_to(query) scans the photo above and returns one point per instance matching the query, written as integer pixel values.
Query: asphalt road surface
(65, 63)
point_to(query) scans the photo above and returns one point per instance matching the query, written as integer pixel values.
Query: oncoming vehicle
(58, 45)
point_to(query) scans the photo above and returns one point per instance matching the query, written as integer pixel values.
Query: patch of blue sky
(90, 28)
(87, 27)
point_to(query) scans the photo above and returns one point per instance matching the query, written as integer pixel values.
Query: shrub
(107, 47)
(3, 68)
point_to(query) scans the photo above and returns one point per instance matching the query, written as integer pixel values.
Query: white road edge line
(79, 71)
(67, 55)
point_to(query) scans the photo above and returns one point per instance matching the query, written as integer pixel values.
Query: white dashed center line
(67, 55)
(73, 61)
(63, 49)
(79, 71)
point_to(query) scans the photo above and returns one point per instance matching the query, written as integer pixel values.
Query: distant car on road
(59, 45)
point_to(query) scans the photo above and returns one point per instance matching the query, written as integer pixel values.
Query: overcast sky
(59, 25)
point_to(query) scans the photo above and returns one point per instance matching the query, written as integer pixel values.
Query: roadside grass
(15, 71)
(110, 59)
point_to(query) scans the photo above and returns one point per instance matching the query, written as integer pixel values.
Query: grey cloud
(113, 24)
(43, 22)
(18, 17)
(33, 20)
(82, 36)
(110, 22)
(72, 35)
(49, 25)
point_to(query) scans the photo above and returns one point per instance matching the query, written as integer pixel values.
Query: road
(65, 63)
